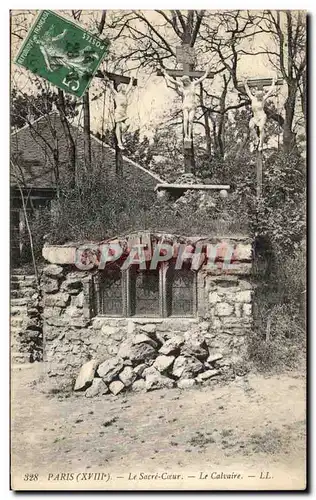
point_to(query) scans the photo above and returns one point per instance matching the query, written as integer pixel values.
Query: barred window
(144, 292)
(109, 292)
(180, 291)
(162, 292)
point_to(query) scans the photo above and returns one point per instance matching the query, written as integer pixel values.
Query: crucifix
(257, 123)
(185, 87)
(120, 105)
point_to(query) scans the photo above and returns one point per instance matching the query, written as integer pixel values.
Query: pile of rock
(148, 361)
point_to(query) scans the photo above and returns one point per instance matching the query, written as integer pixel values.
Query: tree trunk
(86, 131)
(70, 140)
(289, 142)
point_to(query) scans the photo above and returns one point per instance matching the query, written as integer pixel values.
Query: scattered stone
(186, 367)
(162, 363)
(186, 383)
(127, 362)
(172, 346)
(116, 387)
(139, 385)
(98, 388)
(141, 352)
(141, 337)
(112, 350)
(206, 375)
(154, 380)
(86, 375)
(127, 376)
(194, 350)
(125, 349)
(214, 357)
(110, 368)
(138, 370)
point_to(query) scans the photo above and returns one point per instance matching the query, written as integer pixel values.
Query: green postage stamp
(62, 52)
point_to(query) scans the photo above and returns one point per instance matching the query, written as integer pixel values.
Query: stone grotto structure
(108, 330)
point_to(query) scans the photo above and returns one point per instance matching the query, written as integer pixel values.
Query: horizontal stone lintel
(66, 254)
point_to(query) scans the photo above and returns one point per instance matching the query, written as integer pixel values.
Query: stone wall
(73, 335)
(26, 320)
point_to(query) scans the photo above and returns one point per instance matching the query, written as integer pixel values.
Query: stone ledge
(59, 254)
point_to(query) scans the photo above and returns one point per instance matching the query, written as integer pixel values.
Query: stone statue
(186, 88)
(259, 118)
(120, 114)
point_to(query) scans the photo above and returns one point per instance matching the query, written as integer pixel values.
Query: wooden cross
(258, 83)
(117, 80)
(186, 56)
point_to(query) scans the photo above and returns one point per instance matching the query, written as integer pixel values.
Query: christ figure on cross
(120, 114)
(186, 88)
(259, 118)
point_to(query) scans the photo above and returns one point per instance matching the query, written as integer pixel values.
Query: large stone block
(110, 369)
(127, 376)
(125, 348)
(186, 367)
(172, 346)
(140, 353)
(116, 387)
(86, 375)
(154, 380)
(186, 383)
(59, 254)
(141, 337)
(163, 363)
(53, 271)
(98, 388)
(206, 375)
(139, 385)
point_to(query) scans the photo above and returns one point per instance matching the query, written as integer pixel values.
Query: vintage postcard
(158, 247)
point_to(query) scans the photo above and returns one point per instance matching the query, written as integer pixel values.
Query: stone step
(16, 321)
(18, 293)
(20, 357)
(23, 277)
(20, 302)
(18, 310)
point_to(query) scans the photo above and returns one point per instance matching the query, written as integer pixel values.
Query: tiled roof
(33, 162)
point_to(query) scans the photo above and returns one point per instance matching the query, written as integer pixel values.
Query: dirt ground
(250, 426)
